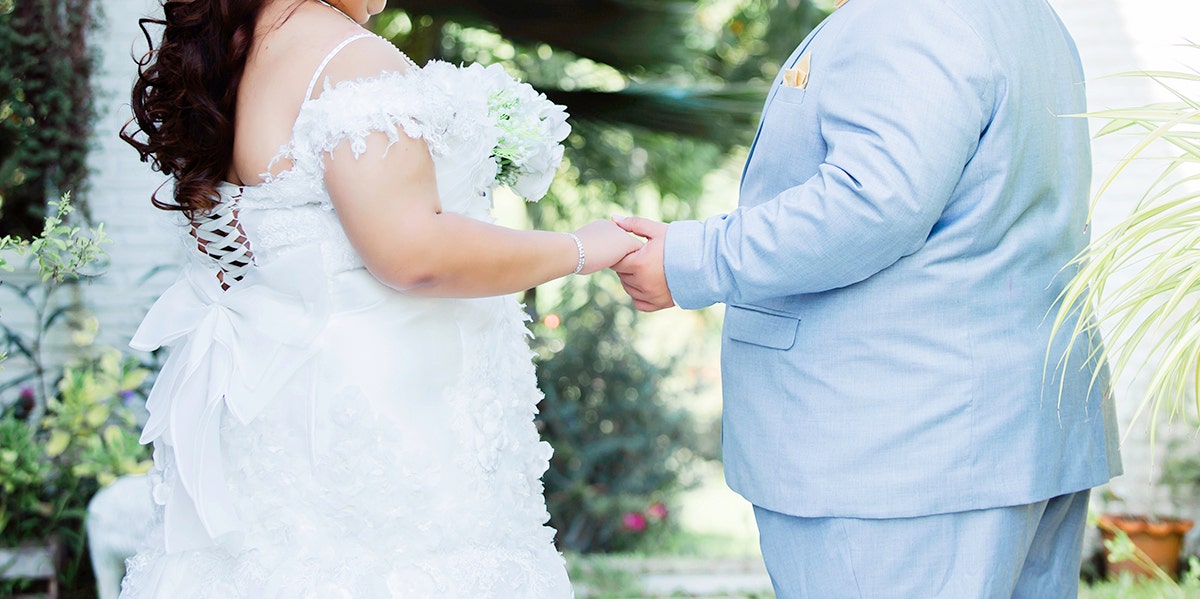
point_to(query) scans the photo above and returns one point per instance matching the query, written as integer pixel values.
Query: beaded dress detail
(319, 435)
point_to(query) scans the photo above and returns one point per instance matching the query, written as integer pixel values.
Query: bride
(348, 406)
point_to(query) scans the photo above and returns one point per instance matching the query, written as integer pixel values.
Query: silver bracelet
(582, 257)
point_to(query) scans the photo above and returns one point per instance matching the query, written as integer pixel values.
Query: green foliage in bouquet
(1140, 280)
(621, 450)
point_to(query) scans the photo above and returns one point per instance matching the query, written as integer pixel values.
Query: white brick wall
(144, 238)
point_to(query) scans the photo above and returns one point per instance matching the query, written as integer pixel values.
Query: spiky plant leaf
(1140, 280)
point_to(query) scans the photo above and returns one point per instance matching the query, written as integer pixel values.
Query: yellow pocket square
(839, 3)
(797, 76)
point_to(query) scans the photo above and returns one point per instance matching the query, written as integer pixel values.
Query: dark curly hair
(185, 96)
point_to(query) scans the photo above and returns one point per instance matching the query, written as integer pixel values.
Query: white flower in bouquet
(531, 129)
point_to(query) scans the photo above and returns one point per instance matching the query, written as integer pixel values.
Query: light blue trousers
(1021, 552)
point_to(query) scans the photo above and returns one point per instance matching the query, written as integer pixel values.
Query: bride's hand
(604, 244)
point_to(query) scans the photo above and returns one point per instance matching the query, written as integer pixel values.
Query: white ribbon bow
(234, 348)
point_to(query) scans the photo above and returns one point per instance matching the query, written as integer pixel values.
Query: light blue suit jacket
(891, 272)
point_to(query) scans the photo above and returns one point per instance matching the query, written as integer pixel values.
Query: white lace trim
(352, 110)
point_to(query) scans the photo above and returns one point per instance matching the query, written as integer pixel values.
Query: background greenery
(47, 107)
(662, 92)
(69, 431)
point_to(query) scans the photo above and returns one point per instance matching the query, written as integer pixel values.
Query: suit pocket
(790, 95)
(750, 324)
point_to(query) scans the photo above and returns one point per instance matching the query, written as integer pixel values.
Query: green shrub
(49, 470)
(621, 451)
(23, 472)
(60, 441)
(47, 107)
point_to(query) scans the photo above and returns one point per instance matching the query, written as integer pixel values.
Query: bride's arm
(389, 208)
(387, 200)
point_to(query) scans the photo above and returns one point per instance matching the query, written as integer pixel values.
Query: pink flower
(633, 521)
(657, 511)
(26, 401)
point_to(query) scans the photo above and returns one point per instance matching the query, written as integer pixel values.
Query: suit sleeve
(904, 101)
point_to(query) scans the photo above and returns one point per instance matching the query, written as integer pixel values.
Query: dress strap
(328, 57)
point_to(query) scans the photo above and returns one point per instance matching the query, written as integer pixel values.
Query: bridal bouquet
(525, 130)
(531, 133)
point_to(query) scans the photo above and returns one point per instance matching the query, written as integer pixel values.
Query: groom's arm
(903, 104)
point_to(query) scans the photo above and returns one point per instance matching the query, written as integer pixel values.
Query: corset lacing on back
(220, 236)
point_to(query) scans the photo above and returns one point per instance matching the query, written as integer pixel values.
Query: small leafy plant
(23, 472)
(58, 448)
(61, 254)
(87, 439)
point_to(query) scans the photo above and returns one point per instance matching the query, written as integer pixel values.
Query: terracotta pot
(1161, 539)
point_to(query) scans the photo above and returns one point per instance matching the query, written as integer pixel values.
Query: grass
(612, 577)
(680, 554)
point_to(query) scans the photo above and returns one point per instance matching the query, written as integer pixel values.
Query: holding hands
(607, 244)
(642, 273)
(604, 245)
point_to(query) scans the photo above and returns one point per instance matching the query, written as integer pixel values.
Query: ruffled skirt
(401, 461)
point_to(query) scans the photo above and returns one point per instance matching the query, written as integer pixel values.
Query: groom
(907, 209)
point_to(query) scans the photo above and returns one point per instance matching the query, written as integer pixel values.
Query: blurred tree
(691, 67)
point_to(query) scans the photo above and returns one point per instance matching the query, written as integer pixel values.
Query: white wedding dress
(319, 435)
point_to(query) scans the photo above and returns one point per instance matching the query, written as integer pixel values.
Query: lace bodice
(292, 209)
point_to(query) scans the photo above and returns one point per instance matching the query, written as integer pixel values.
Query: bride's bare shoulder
(366, 57)
(298, 41)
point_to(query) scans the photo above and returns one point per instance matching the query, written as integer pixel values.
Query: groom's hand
(641, 272)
